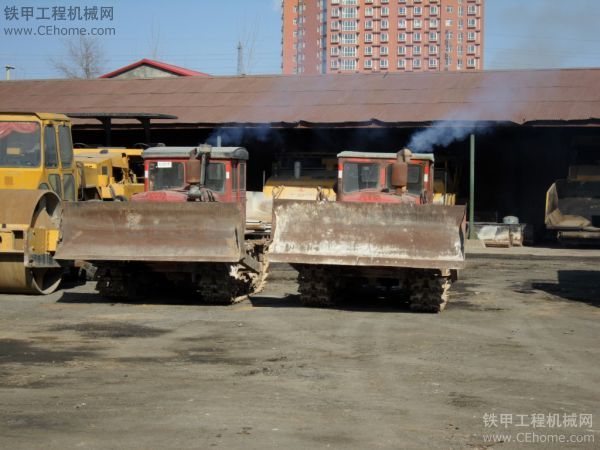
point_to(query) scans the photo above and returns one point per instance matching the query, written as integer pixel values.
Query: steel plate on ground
(368, 234)
(151, 231)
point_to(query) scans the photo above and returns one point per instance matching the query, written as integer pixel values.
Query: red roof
(175, 70)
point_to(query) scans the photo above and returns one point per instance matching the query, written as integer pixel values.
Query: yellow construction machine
(38, 170)
(573, 204)
(108, 173)
(303, 176)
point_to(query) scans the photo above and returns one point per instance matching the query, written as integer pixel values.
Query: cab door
(51, 160)
(67, 163)
(59, 166)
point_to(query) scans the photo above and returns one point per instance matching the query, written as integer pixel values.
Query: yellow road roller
(37, 172)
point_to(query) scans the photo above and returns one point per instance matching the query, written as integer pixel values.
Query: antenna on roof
(240, 59)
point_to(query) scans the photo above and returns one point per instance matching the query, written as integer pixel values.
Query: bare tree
(84, 58)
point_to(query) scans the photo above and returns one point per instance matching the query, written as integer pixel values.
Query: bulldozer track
(317, 286)
(428, 291)
(217, 286)
(120, 284)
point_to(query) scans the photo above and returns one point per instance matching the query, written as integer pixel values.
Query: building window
(334, 51)
(433, 23)
(385, 11)
(402, 23)
(417, 23)
(433, 36)
(369, 11)
(335, 38)
(384, 64)
(471, 49)
(416, 37)
(472, 23)
(401, 37)
(417, 10)
(368, 24)
(472, 9)
(349, 2)
(334, 64)
(385, 24)
(349, 13)
(385, 37)
(401, 63)
(368, 51)
(471, 36)
(460, 24)
(348, 51)
(348, 64)
(433, 49)
(368, 64)
(402, 11)
(417, 50)
(349, 38)
(471, 63)
(384, 50)
(459, 37)
(417, 63)
(459, 64)
(433, 63)
(349, 25)
(335, 12)
(335, 25)
(402, 50)
(449, 9)
(368, 37)
(433, 9)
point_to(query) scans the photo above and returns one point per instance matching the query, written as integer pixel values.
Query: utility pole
(8, 69)
(240, 59)
(472, 188)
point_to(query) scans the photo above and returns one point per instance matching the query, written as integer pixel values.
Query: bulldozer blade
(151, 231)
(368, 234)
(573, 205)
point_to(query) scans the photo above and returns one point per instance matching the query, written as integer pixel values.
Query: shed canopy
(502, 96)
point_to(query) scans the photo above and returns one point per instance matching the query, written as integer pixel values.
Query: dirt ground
(519, 337)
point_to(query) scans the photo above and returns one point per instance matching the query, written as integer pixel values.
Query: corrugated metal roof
(506, 96)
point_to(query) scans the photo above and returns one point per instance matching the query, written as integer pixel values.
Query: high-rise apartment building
(330, 36)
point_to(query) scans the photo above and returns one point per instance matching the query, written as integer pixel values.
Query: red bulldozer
(382, 230)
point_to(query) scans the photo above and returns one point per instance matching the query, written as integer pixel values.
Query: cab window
(50, 156)
(414, 184)
(215, 177)
(66, 146)
(242, 176)
(360, 176)
(165, 175)
(234, 176)
(20, 144)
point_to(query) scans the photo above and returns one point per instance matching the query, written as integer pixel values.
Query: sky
(203, 34)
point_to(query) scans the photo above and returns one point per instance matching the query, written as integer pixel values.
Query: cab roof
(184, 152)
(419, 156)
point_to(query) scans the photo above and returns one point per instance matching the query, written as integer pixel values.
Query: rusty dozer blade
(368, 234)
(151, 231)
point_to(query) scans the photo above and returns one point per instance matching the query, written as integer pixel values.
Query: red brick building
(325, 36)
